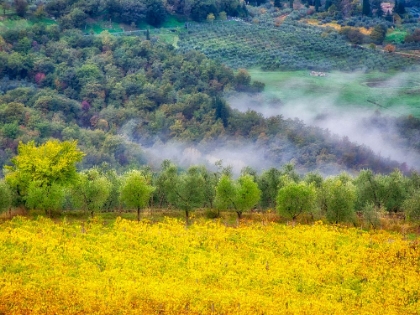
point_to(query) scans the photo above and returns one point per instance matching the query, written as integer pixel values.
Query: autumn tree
(210, 17)
(52, 163)
(136, 191)
(389, 48)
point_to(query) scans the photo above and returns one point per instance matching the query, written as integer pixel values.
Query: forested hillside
(124, 98)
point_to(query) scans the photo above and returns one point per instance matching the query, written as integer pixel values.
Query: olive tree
(186, 190)
(239, 196)
(136, 191)
(293, 199)
(45, 197)
(5, 197)
(340, 198)
(411, 207)
(90, 191)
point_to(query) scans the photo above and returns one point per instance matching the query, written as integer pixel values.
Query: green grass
(172, 22)
(391, 93)
(99, 26)
(170, 38)
(46, 21)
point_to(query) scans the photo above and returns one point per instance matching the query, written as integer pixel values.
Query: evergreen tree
(388, 16)
(328, 3)
(379, 12)
(317, 5)
(277, 3)
(222, 111)
(366, 10)
(399, 7)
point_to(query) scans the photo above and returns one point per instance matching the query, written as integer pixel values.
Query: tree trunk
(187, 217)
(138, 214)
(239, 213)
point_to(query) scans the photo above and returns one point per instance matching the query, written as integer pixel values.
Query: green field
(391, 93)
(99, 26)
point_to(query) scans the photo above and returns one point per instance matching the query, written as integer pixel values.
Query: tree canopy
(136, 191)
(51, 163)
(295, 199)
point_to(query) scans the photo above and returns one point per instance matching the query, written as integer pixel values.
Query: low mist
(237, 156)
(353, 122)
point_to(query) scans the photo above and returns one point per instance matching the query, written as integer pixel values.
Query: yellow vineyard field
(206, 268)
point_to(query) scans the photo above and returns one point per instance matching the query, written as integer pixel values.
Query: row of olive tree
(339, 198)
(45, 177)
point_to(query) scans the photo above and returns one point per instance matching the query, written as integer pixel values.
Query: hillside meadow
(125, 267)
(393, 93)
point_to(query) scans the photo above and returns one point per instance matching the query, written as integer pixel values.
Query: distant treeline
(75, 13)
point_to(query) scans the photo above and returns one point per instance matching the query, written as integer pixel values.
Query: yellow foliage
(337, 27)
(51, 162)
(207, 268)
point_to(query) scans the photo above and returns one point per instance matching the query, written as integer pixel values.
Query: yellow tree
(50, 164)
